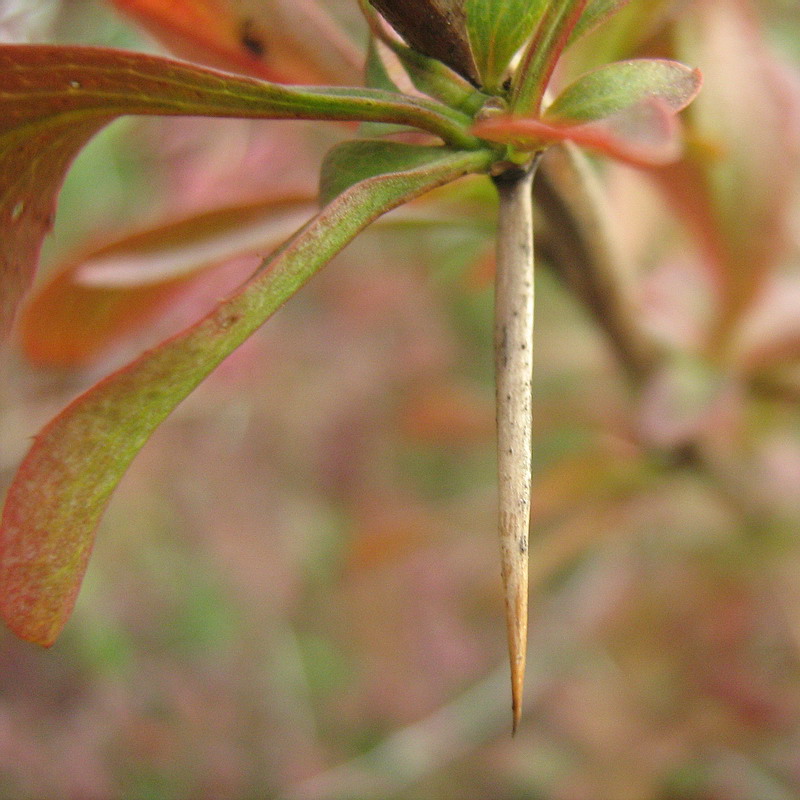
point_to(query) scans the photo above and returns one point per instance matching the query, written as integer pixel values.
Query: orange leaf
(54, 99)
(112, 290)
(272, 39)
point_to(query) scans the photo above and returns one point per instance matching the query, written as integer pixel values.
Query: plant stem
(513, 342)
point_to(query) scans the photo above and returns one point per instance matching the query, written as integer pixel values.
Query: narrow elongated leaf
(497, 29)
(110, 291)
(54, 99)
(613, 88)
(542, 53)
(351, 162)
(290, 41)
(63, 486)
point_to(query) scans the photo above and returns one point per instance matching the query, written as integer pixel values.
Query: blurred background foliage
(295, 593)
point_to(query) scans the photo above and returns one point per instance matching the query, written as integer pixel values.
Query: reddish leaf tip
(648, 135)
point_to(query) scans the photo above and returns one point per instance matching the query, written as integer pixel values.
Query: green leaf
(63, 486)
(54, 99)
(596, 12)
(351, 162)
(375, 73)
(437, 80)
(497, 29)
(542, 53)
(613, 88)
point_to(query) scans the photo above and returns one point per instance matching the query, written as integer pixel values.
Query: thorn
(515, 581)
(513, 340)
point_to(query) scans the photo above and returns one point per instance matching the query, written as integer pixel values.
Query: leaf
(353, 161)
(644, 135)
(745, 168)
(289, 41)
(435, 28)
(376, 73)
(63, 486)
(497, 29)
(382, 70)
(112, 290)
(54, 99)
(437, 80)
(428, 75)
(542, 53)
(596, 12)
(32, 169)
(613, 88)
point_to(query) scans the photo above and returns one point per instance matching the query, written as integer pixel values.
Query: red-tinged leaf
(112, 290)
(542, 53)
(289, 41)
(647, 135)
(614, 88)
(33, 164)
(63, 486)
(596, 12)
(53, 99)
(747, 124)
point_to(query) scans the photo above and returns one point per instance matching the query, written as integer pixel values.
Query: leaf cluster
(472, 86)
